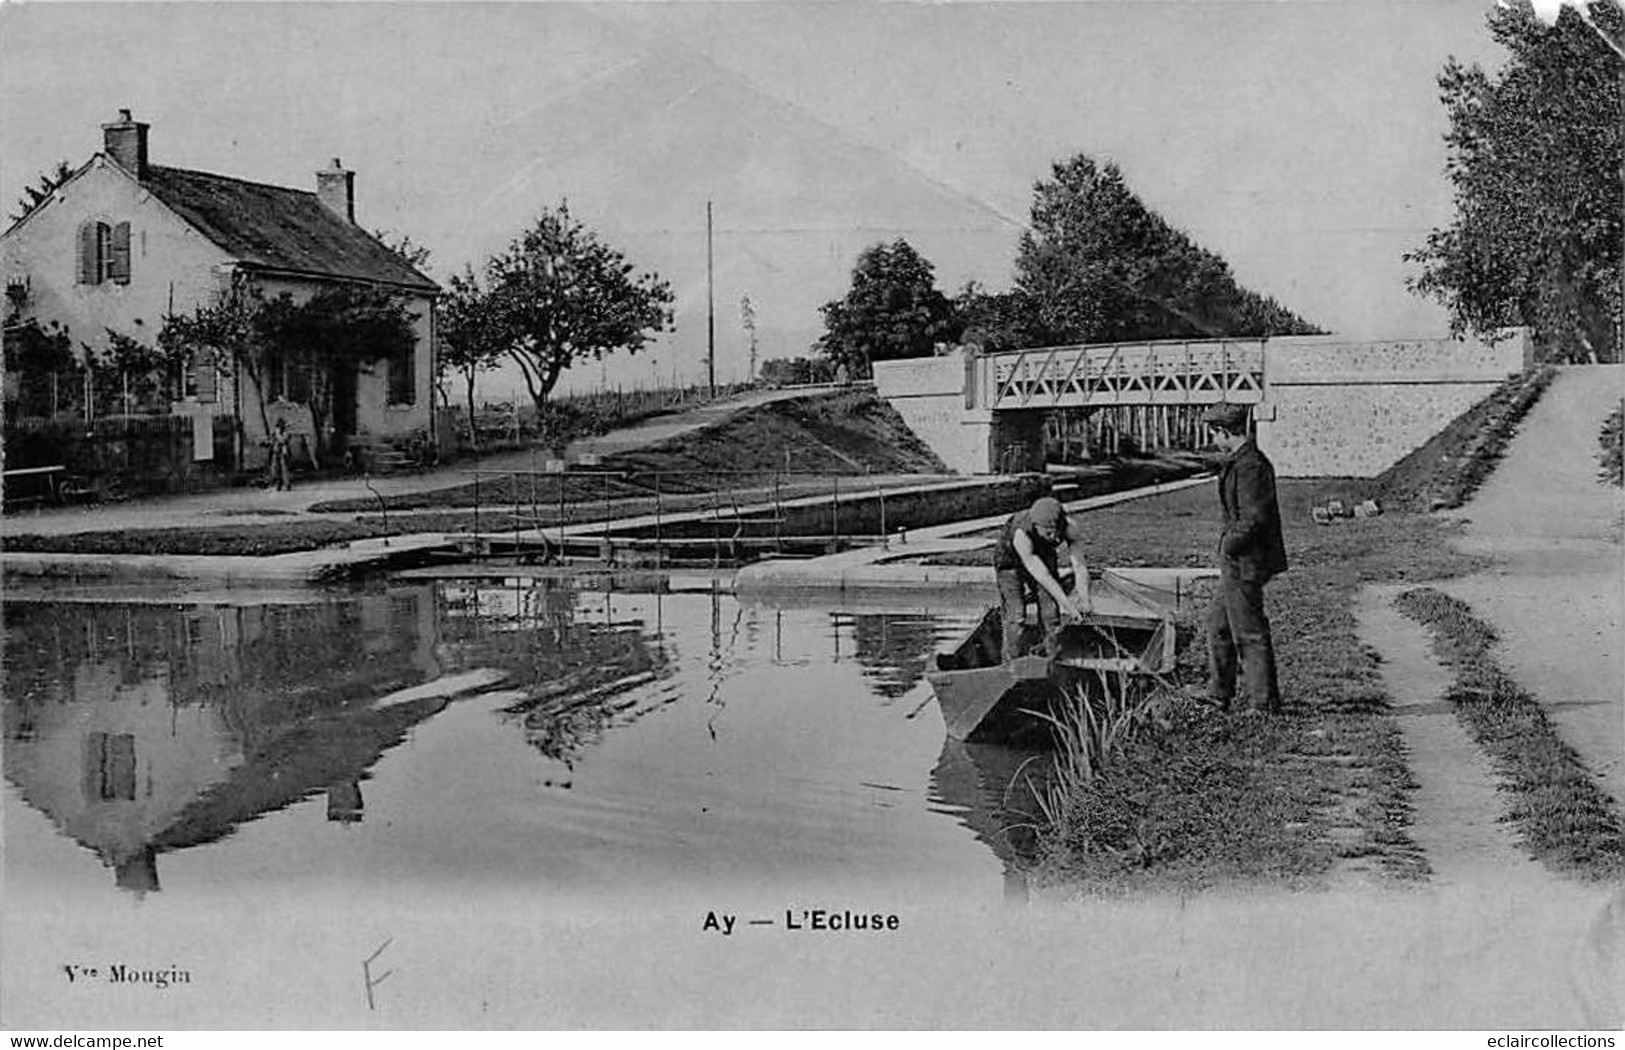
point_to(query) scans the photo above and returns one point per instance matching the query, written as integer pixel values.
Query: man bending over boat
(1026, 560)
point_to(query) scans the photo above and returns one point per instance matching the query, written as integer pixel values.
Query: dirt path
(1554, 597)
(1458, 809)
(1556, 593)
(1483, 889)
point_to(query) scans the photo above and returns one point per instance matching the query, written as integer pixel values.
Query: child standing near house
(281, 445)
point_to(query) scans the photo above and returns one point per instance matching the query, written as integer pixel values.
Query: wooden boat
(985, 699)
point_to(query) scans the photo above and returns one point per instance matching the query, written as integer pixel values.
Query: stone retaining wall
(929, 393)
(1344, 408)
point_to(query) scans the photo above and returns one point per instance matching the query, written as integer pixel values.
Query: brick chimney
(125, 140)
(335, 187)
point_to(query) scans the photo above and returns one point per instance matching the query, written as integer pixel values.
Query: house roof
(277, 228)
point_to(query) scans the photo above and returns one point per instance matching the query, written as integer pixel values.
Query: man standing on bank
(1250, 553)
(1026, 559)
(281, 443)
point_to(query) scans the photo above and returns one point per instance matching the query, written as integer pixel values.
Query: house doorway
(344, 409)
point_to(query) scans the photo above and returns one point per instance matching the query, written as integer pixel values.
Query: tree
(131, 375)
(559, 295)
(796, 371)
(224, 331)
(411, 252)
(893, 310)
(1102, 267)
(1535, 162)
(997, 321)
(468, 344)
(747, 321)
(37, 354)
(45, 184)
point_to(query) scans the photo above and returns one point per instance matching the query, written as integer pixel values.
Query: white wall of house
(170, 262)
(175, 268)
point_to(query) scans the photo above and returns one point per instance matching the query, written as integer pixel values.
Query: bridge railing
(1155, 373)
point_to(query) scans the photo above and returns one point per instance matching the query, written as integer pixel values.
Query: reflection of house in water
(580, 672)
(144, 728)
(989, 789)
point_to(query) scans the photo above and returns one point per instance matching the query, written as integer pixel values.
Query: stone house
(124, 243)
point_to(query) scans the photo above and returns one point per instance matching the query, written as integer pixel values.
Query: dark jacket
(1250, 547)
(1004, 552)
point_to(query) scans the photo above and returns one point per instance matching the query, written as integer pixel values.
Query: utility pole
(710, 311)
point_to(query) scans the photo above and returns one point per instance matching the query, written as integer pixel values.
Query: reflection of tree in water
(895, 649)
(579, 675)
(141, 728)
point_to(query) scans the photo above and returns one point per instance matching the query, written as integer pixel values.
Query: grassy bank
(1211, 799)
(796, 442)
(1445, 471)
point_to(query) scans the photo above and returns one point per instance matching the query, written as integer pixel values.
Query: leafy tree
(468, 344)
(35, 353)
(40, 192)
(796, 371)
(1534, 158)
(151, 375)
(559, 295)
(411, 252)
(1102, 267)
(225, 330)
(893, 310)
(996, 321)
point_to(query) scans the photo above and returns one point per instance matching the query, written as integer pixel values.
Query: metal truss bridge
(1197, 372)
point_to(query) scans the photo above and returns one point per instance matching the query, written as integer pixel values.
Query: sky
(1302, 141)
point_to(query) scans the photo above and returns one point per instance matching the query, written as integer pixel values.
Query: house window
(289, 379)
(296, 384)
(403, 376)
(104, 253)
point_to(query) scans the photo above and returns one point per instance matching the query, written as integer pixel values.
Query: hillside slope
(844, 432)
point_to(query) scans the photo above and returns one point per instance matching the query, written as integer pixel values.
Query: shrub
(1612, 440)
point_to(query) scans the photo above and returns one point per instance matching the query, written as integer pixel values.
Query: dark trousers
(279, 471)
(1239, 632)
(1014, 586)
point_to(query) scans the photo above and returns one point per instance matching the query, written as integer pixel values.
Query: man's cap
(1227, 416)
(1047, 512)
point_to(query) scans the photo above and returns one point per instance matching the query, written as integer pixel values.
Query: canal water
(520, 734)
(528, 805)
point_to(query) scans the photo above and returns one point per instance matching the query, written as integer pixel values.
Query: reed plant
(1090, 722)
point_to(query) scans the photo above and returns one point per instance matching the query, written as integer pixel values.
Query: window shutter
(89, 265)
(119, 266)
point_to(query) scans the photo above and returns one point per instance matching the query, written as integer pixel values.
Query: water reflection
(991, 790)
(141, 728)
(895, 649)
(576, 662)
